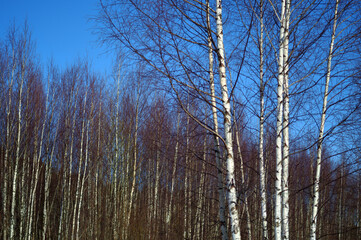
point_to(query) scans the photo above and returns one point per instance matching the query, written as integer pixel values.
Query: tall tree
(231, 181)
(316, 190)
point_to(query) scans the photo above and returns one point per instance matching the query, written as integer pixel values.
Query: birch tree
(221, 194)
(262, 170)
(23, 60)
(230, 183)
(316, 190)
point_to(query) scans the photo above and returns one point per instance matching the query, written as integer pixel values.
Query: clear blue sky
(60, 28)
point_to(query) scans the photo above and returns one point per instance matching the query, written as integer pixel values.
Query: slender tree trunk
(83, 180)
(17, 159)
(201, 191)
(221, 194)
(96, 214)
(38, 164)
(316, 190)
(156, 184)
(173, 181)
(286, 147)
(115, 164)
(246, 206)
(186, 231)
(262, 169)
(77, 193)
(340, 203)
(63, 229)
(7, 168)
(134, 170)
(47, 208)
(279, 166)
(231, 184)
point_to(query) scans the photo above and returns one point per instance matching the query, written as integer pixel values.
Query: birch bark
(174, 170)
(18, 141)
(316, 190)
(261, 134)
(285, 160)
(186, 232)
(221, 194)
(278, 181)
(37, 174)
(77, 193)
(7, 150)
(230, 184)
(135, 157)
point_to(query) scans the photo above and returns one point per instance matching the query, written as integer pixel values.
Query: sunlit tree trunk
(340, 201)
(25, 173)
(230, 183)
(262, 169)
(80, 166)
(18, 143)
(316, 190)
(173, 181)
(63, 230)
(243, 181)
(221, 194)
(48, 167)
(96, 194)
(279, 169)
(135, 163)
(37, 163)
(7, 167)
(84, 177)
(186, 231)
(199, 216)
(285, 160)
(115, 164)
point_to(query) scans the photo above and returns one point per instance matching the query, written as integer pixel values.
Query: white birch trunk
(134, 170)
(199, 217)
(316, 190)
(186, 181)
(221, 195)
(18, 141)
(67, 213)
(49, 161)
(279, 171)
(174, 170)
(7, 150)
(156, 184)
(116, 162)
(37, 163)
(25, 176)
(285, 162)
(231, 184)
(83, 182)
(77, 193)
(246, 206)
(262, 169)
(96, 217)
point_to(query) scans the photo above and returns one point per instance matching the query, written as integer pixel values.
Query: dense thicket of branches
(138, 155)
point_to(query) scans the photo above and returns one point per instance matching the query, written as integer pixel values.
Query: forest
(220, 120)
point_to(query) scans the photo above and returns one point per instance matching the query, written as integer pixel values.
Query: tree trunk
(316, 190)
(285, 160)
(17, 159)
(230, 184)
(134, 170)
(279, 166)
(262, 169)
(174, 170)
(221, 194)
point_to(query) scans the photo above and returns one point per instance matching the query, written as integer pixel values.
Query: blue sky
(60, 29)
